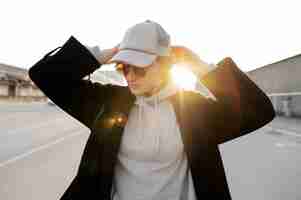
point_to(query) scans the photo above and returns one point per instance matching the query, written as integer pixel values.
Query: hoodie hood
(144, 103)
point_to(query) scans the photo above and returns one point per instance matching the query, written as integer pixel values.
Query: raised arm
(241, 106)
(60, 77)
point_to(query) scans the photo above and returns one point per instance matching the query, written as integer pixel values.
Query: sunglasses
(125, 69)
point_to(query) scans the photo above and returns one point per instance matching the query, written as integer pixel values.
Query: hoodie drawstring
(142, 103)
(153, 102)
(158, 136)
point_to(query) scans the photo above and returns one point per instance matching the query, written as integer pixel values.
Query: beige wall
(282, 81)
(281, 77)
(3, 90)
(23, 92)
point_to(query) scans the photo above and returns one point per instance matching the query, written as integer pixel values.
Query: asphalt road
(40, 148)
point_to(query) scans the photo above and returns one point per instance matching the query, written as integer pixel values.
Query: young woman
(151, 140)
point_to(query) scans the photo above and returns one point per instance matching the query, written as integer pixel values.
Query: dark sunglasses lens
(139, 71)
(125, 69)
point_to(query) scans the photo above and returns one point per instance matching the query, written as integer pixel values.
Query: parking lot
(40, 148)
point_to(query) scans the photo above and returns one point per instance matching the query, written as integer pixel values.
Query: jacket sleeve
(240, 107)
(60, 78)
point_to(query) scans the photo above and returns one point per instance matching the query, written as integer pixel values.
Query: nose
(130, 76)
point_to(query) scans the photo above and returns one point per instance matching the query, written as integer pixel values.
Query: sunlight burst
(184, 78)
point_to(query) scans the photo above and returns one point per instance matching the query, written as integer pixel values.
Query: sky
(254, 33)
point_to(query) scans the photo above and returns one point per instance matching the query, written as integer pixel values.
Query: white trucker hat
(142, 43)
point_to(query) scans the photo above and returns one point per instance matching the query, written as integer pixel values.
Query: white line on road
(285, 132)
(34, 126)
(23, 155)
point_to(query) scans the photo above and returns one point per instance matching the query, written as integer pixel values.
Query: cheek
(151, 80)
(156, 78)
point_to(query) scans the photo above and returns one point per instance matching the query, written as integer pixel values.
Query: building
(282, 82)
(15, 85)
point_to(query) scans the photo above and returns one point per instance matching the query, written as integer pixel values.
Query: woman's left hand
(189, 59)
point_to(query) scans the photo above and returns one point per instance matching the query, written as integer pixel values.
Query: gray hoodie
(151, 161)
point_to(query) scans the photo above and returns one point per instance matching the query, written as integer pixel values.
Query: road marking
(42, 147)
(34, 126)
(285, 132)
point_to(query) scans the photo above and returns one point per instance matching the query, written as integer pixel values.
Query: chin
(137, 92)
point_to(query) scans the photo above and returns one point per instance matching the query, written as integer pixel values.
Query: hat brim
(136, 58)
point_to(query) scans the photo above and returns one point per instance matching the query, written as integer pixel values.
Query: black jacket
(241, 108)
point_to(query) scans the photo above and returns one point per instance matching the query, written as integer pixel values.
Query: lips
(133, 85)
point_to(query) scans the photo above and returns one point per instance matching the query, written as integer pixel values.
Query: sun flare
(184, 78)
